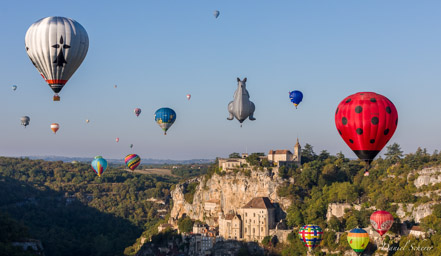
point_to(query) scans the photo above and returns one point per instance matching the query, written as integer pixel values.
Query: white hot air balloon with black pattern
(56, 46)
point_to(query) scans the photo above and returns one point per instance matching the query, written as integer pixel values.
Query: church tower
(297, 152)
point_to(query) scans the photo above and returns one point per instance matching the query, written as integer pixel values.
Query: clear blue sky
(158, 51)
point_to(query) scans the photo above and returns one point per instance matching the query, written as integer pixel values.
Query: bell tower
(297, 152)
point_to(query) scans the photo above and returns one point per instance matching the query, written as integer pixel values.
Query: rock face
(228, 192)
(338, 210)
(409, 212)
(428, 176)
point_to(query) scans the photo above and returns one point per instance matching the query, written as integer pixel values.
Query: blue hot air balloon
(296, 97)
(165, 117)
(14, 87)
(216, 14)
(99, 165)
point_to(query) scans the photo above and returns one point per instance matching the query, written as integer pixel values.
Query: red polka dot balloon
(366, 121)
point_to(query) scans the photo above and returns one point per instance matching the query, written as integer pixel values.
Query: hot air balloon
(381, 221)
(216, 14)
(296, 97)
(55, 127)
(311, 236)
(165, 117)
(117, 139)
(132, 161)
(241, 107)
(366, 121)
(358, 239)
(99, 165)
(188, 96)
(87, 121)
(14, 87)
(25, 121)
(115, 86)
(137, 111)
(131, 145)
(56, 47)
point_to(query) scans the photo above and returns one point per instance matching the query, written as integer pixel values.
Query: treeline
(75, 212)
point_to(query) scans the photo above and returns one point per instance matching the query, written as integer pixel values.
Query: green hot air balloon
(358, 239)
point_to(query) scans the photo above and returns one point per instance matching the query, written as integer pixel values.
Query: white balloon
(56, 46)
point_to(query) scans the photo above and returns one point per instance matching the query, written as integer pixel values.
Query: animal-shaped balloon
(25, 121)
(132, 161)
(216, 14)
(56, 46)
(99, 165)
(55, 127)
(381, 221)
(241, 107)
(358, 239)
(296, 97)
(137, 111)
(165, 117)
(366, 121)
(311, 236)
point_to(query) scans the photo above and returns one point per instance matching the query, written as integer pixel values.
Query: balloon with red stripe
(381, 221)
(132, 161)
(366, 121)
(358, 239)
(99, 165)
(311, 235)
(56, 46)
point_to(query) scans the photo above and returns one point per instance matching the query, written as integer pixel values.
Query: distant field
(154, 171)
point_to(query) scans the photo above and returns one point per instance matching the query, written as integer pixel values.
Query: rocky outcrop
(428, 176)
(410, 212)
(230, 191)
(338, 210)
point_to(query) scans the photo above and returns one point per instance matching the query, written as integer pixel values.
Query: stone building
(231, 163)
(285, 157)
(252, 222)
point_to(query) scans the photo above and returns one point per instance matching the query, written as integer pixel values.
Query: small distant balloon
(131, 145)
(216, 14)
(99, 165)
(132, 161)
(296, 97)
(25, 121)
(14, 87)
(115, 86)
(188, 96)
(117, 139)
(55, 127)
(165, 117)
(87, 121)
(137, 111)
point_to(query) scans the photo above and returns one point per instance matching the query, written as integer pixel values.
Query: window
(245, 230)
(254, 230)
(254, 214)
(245, 214)
(261, 229)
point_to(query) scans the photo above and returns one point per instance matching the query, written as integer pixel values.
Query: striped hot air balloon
(132, 161)
(311, 236)
(99, 165)
(358, 239)
(381, 221)
(56, 47)
(55, 127)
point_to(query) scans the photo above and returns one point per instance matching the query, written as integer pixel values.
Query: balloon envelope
(366, 121)
(165, 117)
(381, 221)
(131, 145)
(99, 165)
(311, 235)
(87, 121)
(117, 139)
(14, 87)
(132, 161)
(296, 97)
(188, 96)
(216, 14)
(358, 239)
(56, 46)
(55, 127)
(137, 111)
(25, 121)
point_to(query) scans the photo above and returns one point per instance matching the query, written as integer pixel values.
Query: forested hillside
(75, 212)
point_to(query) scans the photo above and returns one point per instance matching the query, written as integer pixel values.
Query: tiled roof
(259, 203)
(279, 152)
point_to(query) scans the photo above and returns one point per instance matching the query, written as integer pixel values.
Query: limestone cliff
(428, 176)
(228, 192)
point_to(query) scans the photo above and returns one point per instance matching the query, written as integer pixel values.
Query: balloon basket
(56, 98)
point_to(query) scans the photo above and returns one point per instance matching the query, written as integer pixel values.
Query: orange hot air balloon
(55, 127)
(381, 221)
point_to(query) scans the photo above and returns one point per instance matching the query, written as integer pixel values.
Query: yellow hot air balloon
(358, 239)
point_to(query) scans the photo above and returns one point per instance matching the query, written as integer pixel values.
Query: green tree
(234, 155)
(185, 224)
(308, 154)
(394, 153)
